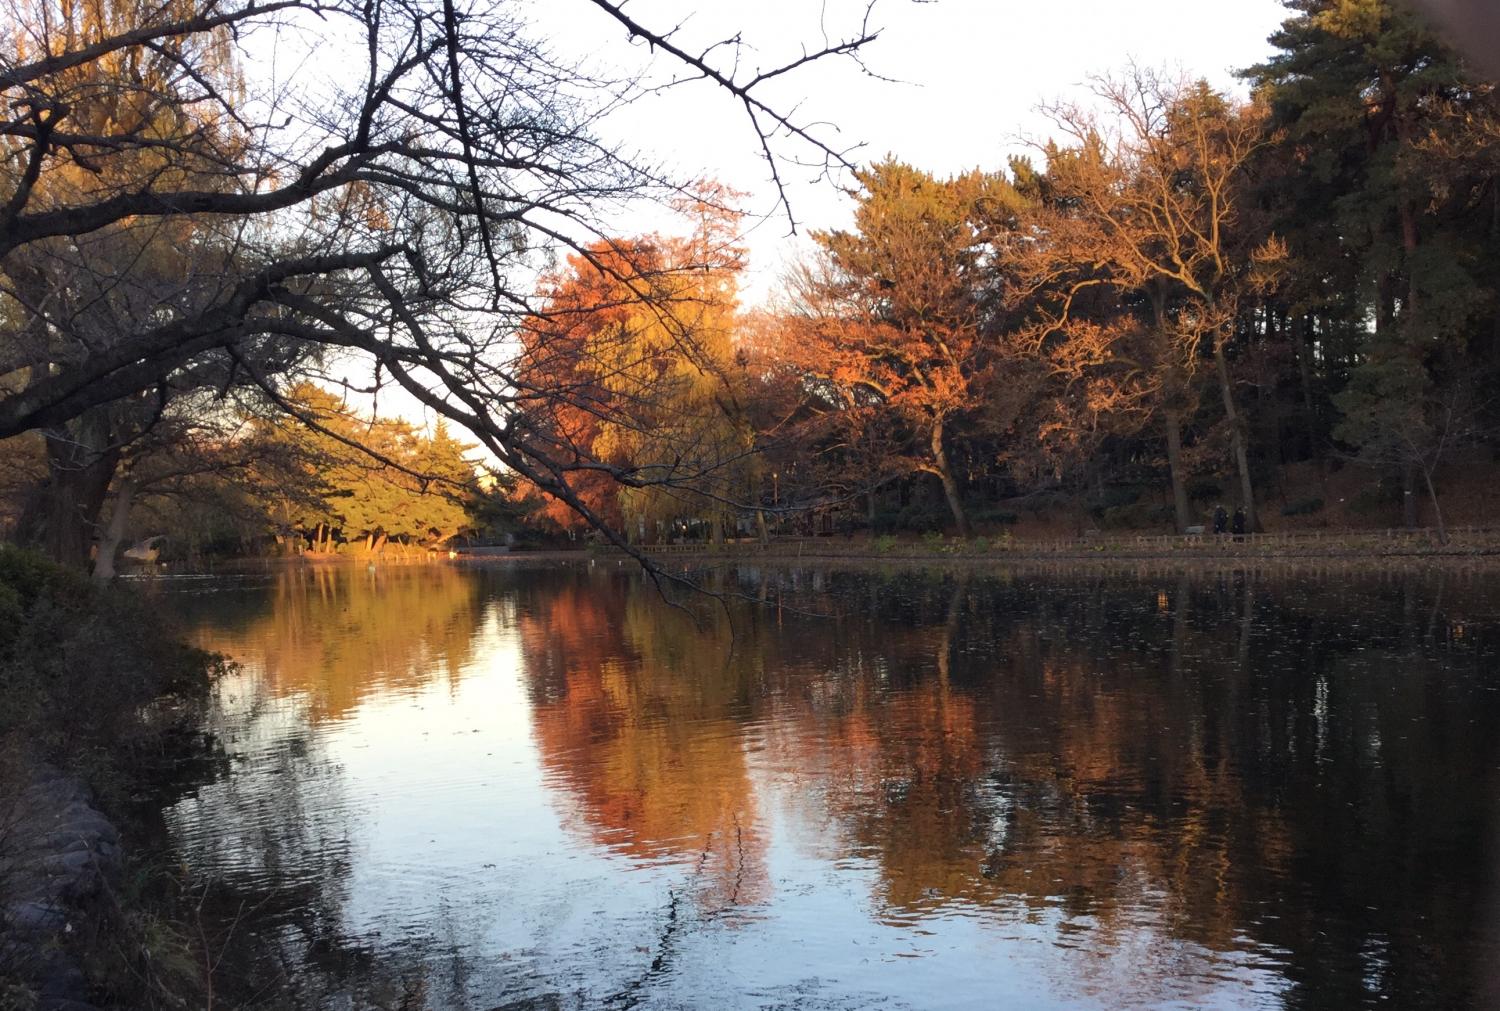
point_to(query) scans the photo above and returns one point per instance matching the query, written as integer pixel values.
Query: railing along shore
(1300, 543)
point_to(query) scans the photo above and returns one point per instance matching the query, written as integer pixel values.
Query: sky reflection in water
(884, 789)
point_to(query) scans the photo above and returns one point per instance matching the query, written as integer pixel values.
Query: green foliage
(933, 540)
(1385, 145)
(27, 578)
(415, 487)
(884, 544)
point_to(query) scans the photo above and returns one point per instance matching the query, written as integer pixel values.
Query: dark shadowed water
(545, 787)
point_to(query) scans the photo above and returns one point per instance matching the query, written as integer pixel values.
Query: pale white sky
(958, 85)
(971, 74)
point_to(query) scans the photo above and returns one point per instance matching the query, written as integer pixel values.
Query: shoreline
(1359, 549)
(1467, 545)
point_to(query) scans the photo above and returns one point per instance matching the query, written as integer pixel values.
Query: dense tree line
(183, 218)
(1178, 296)
(1184, 289)
(1181, 294)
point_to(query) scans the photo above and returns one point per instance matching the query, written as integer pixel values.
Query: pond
(529, 786)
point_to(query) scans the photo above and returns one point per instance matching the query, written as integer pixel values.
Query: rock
(35, 917)
(82, 820)
(73, 863)
(63, 985)
(56, 851)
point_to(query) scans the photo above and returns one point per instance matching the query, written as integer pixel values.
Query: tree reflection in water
(339, 633)
(638, 715)
(274, 841)
(1177, 782)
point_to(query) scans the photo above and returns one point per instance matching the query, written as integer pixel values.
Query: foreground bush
(95, 683)
(91, 678)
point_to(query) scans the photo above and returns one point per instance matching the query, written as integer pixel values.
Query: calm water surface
(546, 787)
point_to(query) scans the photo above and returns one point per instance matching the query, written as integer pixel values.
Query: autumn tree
(192, 472)
(70, 299)
(636, 387)
(332, 472)
(1151, 198)
(397, 215)
(891, 319)
(818, 442)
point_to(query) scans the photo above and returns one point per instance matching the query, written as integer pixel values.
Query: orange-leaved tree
(889, 323)
(1150, 201)
(628, 379)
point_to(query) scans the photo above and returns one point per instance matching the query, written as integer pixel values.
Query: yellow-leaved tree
(653, 428)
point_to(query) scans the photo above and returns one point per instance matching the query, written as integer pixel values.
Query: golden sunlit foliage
(369, 480)
(640, 335)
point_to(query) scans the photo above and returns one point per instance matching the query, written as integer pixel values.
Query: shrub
(884, 543)
(1047, 501)
(1111, 500)
(933, 539)
(1200, 489)
(1372, 499)
(994, 517)
(88, 674)
(1161, 516)
(1302, 507)
(923, 519)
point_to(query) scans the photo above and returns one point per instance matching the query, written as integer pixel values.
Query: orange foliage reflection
(633, 721)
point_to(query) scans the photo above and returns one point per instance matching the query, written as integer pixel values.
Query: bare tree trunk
(1174, 466)
(1237, 439)
(761, 531)
(945, 474)
(1437, 510)
(114, 531)
(62, 515)
(1180, 508)
(1409, 495)
(1409, 242)
(1302, 339)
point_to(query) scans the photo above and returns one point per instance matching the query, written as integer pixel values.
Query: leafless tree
(177, 208)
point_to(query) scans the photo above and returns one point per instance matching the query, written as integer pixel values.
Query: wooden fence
(1300, 543)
